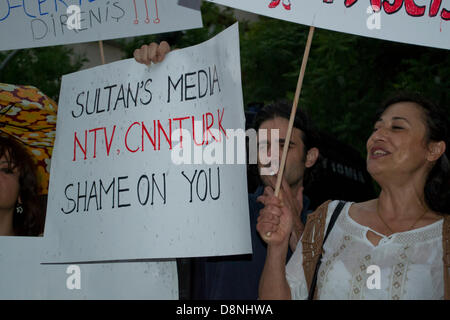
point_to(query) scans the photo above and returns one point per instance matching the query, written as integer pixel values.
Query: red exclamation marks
(136, 21)
(157, 14)
(147, 20)
(147, 12)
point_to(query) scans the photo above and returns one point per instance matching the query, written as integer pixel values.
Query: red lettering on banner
(126, 138)
(95, 140)
(108, 144)
(138, 133)
(75, 142)
(434, 7)
(169, 140)
(208, 127)
(203, 131)
(220, 117)
(445, 14)
(349, 3)
(414, 10)
(84, 150)
(392, 8)
(181, 129)
(152, 140)
(376, 5)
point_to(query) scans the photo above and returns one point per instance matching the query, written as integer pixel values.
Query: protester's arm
(275, 219)
(293, 203)
(273, 284)
(152, 53)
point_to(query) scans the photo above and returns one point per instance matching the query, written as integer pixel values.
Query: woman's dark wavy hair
(437, 186)
(31, 221)
(282, 109)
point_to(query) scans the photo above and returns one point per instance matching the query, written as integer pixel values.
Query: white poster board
(116, 191)
(39, 23)
(421, 22)
(22, 276)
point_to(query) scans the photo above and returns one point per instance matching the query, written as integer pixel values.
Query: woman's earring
(19, 209)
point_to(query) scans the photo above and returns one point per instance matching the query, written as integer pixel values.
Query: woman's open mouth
(378, 152)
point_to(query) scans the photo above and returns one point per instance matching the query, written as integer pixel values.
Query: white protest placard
(22, 276)
(39, 23)
(422, 22)
(137, 169)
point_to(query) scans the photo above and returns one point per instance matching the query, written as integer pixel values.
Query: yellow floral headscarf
(30, 116)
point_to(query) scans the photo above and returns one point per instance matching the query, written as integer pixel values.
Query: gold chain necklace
(392, 232)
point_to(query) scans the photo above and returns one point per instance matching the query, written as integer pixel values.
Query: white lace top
(409, 263)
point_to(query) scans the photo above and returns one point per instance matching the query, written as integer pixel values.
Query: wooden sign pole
(293, 111)
(102, 54)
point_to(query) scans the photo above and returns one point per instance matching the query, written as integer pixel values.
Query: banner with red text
(39, 23)
(139, 168)
(422, 22)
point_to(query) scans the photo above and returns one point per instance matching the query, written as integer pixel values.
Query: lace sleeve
(295, 274)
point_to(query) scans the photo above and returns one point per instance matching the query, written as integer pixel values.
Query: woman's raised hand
(275, 221)
(152, 53)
